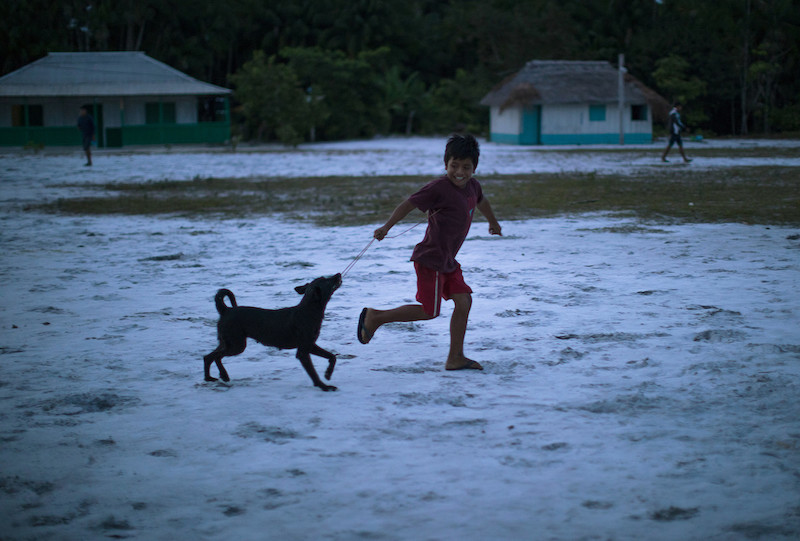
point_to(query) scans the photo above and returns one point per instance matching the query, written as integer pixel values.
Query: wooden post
(621, 96)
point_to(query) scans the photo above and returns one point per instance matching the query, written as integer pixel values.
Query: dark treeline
(331, 69)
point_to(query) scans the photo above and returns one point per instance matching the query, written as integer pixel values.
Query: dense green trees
(332, 69)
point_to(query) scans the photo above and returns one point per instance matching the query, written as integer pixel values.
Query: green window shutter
(168, 112)
(35, 115)
(151, 115)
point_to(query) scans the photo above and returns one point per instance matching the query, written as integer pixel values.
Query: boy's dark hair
(461, 147)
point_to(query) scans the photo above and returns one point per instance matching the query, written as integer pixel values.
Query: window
(638, 112)
(210, 109)
(159, 113)
(35, 115)
(27, 115)
(168, 113)
(597, 113)
(151, 115)
(18, 116)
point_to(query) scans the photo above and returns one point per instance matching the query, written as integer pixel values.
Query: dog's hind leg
(222, 372)
(305, 360)
(319, 352)
(214, 356)
(226, 348)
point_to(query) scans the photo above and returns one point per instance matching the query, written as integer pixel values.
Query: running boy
(450, 201)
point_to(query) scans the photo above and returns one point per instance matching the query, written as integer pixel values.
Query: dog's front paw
(327, 388)
(209, 378)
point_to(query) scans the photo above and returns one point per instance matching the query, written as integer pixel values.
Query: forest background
(340, 69)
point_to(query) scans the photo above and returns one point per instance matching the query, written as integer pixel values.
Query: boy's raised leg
(373, 319)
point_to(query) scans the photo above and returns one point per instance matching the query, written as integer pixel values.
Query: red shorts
(433, 286)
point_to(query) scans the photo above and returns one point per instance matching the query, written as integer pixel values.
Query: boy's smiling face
(459, 171)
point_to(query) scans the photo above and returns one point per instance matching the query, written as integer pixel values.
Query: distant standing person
(86, 126)
(675, 127)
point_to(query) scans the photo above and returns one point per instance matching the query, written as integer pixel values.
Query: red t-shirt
(450, 211)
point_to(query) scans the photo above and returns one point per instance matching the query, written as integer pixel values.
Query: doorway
(531, 125)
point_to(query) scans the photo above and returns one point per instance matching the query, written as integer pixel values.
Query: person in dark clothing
(450, 202)
(86, 126)
(675, 127)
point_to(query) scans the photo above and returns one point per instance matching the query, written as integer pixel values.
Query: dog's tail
(219, 300)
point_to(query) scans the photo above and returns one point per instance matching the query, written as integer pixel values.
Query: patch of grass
(328, 201)
(765, 195)
(768, 195)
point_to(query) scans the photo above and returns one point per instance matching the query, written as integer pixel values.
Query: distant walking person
(675, 127)
(86, 126)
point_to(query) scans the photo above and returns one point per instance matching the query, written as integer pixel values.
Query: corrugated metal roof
(543, 82)
(102, 74)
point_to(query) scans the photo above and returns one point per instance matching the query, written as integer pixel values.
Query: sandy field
(641, 381)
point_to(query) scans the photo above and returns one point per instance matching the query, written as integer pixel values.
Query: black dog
(284, 328)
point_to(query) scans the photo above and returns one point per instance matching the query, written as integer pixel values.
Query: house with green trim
(557, 102)
(134, 99)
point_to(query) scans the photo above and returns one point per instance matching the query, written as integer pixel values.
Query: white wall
(65, 111)
(509, 121)
(133, 110)
(57, 111)
(185, 109)
(568, 119)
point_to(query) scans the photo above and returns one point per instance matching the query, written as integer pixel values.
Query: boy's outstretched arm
(399, 213)
(486, 210)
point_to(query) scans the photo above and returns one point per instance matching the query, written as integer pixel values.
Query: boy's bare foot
(462, 364)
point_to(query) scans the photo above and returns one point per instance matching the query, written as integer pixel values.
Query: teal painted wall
(176, 134)
(37, 135)
(153, 134)
(575, 139)
(595, 139)
(505, 138)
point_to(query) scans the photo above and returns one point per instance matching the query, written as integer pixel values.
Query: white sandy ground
(387, 156)
(641, 380)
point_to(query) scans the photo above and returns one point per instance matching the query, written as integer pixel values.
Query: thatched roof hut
(563, 81)
(550, 86)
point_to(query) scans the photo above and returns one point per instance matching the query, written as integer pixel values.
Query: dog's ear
(301, 289)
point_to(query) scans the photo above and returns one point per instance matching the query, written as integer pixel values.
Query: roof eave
(24, 93)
